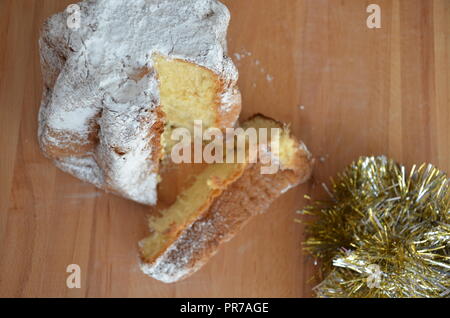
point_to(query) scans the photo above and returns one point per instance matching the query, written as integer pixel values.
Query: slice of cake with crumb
(220, 202)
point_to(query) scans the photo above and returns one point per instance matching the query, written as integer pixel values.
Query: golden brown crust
(157, 130)
(72, 144)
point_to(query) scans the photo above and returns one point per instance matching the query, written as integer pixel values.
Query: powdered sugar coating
(98, 113)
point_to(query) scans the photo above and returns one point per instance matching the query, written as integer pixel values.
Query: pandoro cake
(116, 85)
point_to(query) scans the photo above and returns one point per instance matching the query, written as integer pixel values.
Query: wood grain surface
(346, 89)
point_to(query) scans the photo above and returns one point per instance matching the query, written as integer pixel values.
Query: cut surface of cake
(186, 235)
(117, 85)
(167, 227)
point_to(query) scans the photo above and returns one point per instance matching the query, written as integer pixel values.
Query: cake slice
(217, 205)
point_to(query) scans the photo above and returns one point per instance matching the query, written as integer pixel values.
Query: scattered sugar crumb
(247, 53)
(242, 55)
(324, 158)
(301, 107)
(244, 248)
(91, 195)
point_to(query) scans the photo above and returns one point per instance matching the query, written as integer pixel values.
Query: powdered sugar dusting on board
(242, 55)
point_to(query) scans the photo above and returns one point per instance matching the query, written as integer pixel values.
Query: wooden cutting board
(347, 90)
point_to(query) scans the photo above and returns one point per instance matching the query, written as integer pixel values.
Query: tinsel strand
(381, 218)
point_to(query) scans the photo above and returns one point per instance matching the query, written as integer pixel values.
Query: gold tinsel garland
(384, 233)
